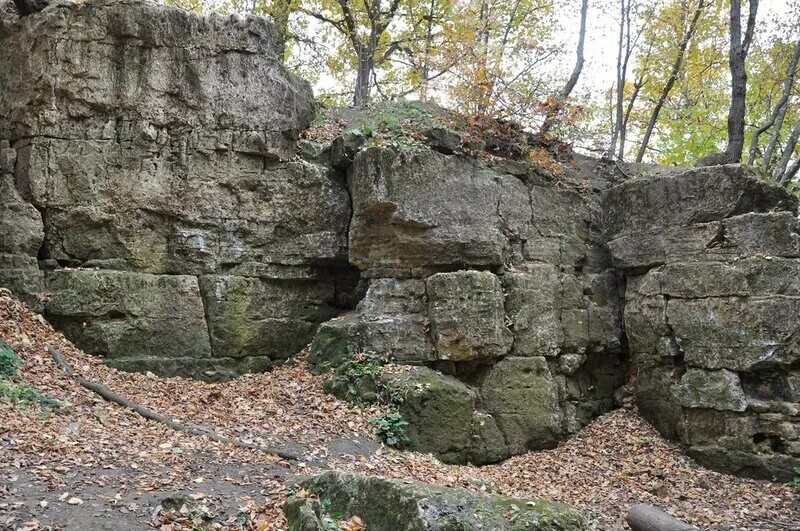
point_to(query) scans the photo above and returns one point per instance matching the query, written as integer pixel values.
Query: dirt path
(100, 466)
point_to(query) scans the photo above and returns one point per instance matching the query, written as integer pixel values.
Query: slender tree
(563, 95)
(623, 56)
(781, 173)
(673, 77)
(739, 48)
(623, 132)
(576, 72)
(776, 117)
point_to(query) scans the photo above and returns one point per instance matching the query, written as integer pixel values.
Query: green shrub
(795, 482)
(24, 396)
(9, 362)
(391, 429)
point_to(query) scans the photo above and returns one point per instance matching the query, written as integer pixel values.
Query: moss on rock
(397, 505)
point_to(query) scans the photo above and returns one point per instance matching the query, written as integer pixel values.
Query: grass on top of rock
(408, 124)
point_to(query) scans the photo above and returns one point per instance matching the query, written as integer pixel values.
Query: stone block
(130, 315)
(522, 396)
(719, 390)
(467, 316)
(260, 317)
(422, 208)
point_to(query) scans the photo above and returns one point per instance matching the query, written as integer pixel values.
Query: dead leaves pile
(615, 462)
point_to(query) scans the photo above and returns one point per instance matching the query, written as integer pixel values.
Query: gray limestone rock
(421, 208)
(522, 396)
(467, 316)
(130, 315)
(712, 389)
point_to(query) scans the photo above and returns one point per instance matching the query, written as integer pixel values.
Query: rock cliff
(152, 204)
(155, 206)
(712, 313)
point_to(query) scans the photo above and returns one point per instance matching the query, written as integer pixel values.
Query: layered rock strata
(493, 280)
(152, 202)
(712, 313)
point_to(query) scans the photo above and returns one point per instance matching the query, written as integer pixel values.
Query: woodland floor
(100, 466)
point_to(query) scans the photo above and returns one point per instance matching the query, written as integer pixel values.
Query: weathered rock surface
(394, 505)
(467, 316)
(712, 313)
(149, 140)
(492, 276)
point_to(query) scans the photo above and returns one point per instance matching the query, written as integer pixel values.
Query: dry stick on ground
(149, 414)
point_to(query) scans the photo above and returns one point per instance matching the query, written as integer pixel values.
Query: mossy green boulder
(440, 411)
(355, 381)
(402, 505)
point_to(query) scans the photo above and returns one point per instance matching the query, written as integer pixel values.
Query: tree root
(149, 414)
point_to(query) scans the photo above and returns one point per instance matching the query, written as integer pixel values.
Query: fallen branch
(643, 517)
(149, 414)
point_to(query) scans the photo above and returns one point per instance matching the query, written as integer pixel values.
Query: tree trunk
(623, 133)
(673, 77)
(621, 75)
(485, 88)
(778, 114)
(280, 16)
(736, 59)
(791, 172)
(643, 517)
(361, 94)
(576, 72)
(573, 79)
(426, 67)
(788, 151)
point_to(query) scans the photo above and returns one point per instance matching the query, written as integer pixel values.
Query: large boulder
(394, 505)
(521, 394)
(712, 312)
(442, 419)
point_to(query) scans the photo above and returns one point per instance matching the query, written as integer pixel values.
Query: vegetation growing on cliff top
(668, 81)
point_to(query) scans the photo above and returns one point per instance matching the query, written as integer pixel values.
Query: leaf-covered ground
(96, 465)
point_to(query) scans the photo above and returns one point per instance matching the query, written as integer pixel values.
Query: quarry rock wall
(154, 205)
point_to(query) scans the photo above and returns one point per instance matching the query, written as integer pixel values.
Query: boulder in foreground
(396, 505)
